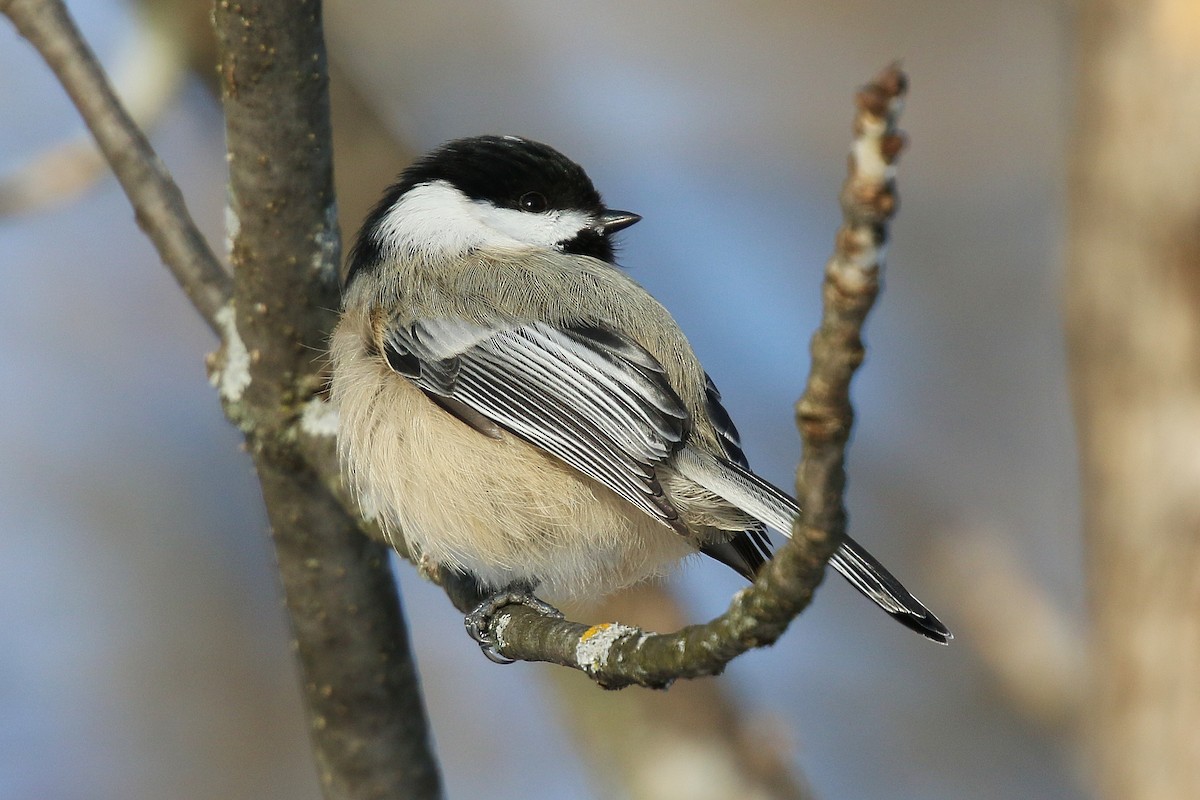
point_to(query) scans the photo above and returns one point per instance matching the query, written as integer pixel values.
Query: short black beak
(612, 221)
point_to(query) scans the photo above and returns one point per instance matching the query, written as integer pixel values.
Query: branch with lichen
(617, 655)
(365, 708)
(359, 681)
(633, 741)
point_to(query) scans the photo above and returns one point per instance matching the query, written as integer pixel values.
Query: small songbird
(521, 411)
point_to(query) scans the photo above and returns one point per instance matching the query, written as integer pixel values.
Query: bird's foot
(479, 620)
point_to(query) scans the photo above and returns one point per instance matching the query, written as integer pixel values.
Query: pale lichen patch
(233, 226)
(328, 243)
(232, 376)
(500, 627)
(319, 418)
(594, 645)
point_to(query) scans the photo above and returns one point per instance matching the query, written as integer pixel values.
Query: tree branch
(367, 719)
(157, 201)
(368, 723)
(616, 655)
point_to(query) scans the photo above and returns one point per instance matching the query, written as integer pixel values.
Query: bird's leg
(479, 620)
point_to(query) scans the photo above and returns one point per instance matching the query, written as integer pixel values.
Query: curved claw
(479, 621)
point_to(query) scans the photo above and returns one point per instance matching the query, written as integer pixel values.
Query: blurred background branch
(156, 199)
(1033, 651)
(1133, 326)
(147, 77)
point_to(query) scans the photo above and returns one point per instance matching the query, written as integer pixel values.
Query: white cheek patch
(435, 218)
(438, 220)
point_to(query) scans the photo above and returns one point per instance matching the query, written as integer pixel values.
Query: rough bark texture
(1133, 302)
(368, 724)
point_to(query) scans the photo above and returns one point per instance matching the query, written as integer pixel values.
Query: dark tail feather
(872, 579)
(769, 505)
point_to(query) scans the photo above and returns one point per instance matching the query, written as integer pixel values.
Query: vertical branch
(360, 683)
(368, 723)
(1133, 325)
(824, 414)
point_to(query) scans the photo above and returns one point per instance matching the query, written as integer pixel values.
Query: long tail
(776, 510)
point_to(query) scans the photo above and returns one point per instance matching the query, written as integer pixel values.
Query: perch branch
(699, 727)
(616, 655)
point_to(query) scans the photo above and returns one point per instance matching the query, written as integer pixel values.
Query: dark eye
(532, 201)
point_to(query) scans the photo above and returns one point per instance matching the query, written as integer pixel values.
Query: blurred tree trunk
(1133, 317)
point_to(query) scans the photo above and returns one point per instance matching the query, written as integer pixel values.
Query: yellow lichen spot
(594, 630)
(592, 651)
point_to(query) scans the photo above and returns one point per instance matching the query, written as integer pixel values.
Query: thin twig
(617, 655)
(147, 74)
(157, 201)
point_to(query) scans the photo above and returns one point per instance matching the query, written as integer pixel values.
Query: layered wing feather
(593, 398)
(746, 551)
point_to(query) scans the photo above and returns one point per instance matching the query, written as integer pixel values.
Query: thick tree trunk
(1133, 315)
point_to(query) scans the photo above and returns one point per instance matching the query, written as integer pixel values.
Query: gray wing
(591, 397)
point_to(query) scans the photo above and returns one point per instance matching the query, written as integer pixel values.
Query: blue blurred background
(145, 652)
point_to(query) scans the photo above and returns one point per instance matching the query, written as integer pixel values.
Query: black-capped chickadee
(520, 410)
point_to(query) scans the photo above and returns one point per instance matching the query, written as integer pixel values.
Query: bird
(517, 410)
